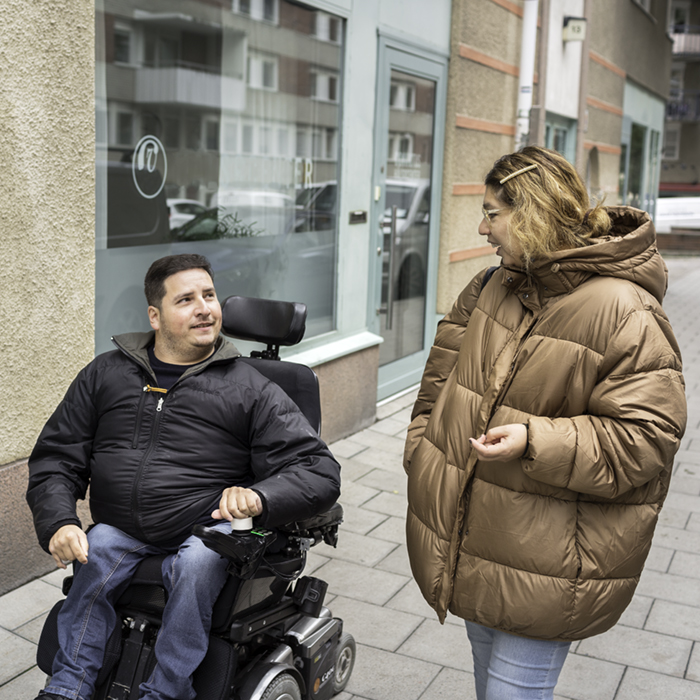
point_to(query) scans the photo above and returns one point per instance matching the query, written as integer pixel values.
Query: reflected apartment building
(238, 108)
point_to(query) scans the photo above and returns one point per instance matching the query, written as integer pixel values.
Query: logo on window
(149, 167)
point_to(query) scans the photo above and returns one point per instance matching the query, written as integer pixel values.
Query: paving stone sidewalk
(403, 653)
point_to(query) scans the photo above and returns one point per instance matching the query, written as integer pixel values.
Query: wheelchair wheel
(344, 662)
(283, 687)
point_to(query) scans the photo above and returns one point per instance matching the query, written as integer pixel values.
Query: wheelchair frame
(272, 638)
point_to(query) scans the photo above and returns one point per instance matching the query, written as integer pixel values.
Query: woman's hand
(504, 443)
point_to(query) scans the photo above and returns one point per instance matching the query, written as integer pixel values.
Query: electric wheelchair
(271, 638)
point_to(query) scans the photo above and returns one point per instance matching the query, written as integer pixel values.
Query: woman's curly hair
(550, 204)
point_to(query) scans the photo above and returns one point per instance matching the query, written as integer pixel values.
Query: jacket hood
(136, 345)
(628, 252)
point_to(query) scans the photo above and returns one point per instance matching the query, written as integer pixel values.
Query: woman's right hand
(501, 444)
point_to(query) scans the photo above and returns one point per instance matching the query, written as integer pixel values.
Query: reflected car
(316, 207)
(180, 211)
(412, 200)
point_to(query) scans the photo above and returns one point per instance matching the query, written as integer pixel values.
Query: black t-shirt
(166, 374)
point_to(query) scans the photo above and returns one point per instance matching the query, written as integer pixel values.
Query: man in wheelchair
(169, 431)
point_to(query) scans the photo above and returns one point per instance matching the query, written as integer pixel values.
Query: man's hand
(67, 544)
(237, 502)
(501, 444)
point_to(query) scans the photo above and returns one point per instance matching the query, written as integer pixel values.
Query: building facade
(598, 97)
(680, 175)
(326, 151)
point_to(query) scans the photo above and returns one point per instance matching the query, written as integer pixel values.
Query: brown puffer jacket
(550, 546)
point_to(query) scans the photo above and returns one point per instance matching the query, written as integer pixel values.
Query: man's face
(189, 320)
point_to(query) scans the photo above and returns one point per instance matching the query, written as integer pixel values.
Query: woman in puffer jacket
(543, 437)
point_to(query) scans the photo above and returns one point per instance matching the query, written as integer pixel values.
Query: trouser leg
(87, 617)
(481, 641)
(194, 578)
(516, 668)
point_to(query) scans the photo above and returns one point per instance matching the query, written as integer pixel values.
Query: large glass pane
(411, 104)
(218, 125)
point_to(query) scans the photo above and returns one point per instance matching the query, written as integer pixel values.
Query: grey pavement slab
(450, 683)
(403, 651)
(584, 678)
(639, 684)
(381, 675)
(392, 529)
(640, 649)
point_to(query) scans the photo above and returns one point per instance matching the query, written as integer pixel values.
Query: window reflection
(243, 100)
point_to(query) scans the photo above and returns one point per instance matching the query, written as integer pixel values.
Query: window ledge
(335, 349)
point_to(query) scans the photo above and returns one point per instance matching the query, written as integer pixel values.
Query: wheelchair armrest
(323, 526)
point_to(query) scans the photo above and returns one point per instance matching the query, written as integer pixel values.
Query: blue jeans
(507, 667)
(193, 576)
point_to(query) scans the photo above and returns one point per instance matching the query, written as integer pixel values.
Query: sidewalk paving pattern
(403, 653)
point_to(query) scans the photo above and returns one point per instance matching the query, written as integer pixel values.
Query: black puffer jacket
(157, 462)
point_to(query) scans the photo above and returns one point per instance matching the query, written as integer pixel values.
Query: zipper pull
(159, 407)
(145, 388)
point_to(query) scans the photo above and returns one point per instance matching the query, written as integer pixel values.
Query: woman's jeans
(507, 667)
(193, 575)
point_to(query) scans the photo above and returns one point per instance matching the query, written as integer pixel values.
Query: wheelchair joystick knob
(242, 524)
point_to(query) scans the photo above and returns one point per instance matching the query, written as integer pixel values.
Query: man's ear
(154, 317)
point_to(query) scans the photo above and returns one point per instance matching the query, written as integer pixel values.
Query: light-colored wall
(47, 249)
(563, 61)
(47, 257)
(634, 40)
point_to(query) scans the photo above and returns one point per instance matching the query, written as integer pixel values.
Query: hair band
(518, 172)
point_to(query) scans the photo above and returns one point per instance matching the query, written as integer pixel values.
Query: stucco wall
(46, 229)
(47, 185)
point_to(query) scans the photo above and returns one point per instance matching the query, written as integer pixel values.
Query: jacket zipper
(142, 466)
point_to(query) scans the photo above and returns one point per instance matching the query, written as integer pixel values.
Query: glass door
(408, 165)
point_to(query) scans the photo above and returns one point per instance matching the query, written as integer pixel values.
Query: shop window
(232, 125)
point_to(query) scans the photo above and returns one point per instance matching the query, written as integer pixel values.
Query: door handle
(389, 308)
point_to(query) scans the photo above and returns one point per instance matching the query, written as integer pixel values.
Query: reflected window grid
(255, 158)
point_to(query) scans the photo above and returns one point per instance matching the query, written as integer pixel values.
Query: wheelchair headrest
(264, 320)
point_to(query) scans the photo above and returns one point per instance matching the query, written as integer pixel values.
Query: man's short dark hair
(161, 269)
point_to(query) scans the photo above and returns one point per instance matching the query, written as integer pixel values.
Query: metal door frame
(408, 58)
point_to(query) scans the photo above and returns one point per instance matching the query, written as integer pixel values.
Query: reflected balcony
(684, 106)
(686, 40)
(190, 84)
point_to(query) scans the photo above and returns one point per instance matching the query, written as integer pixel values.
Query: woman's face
(495, 227)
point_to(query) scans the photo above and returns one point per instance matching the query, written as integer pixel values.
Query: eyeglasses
(488, 213)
